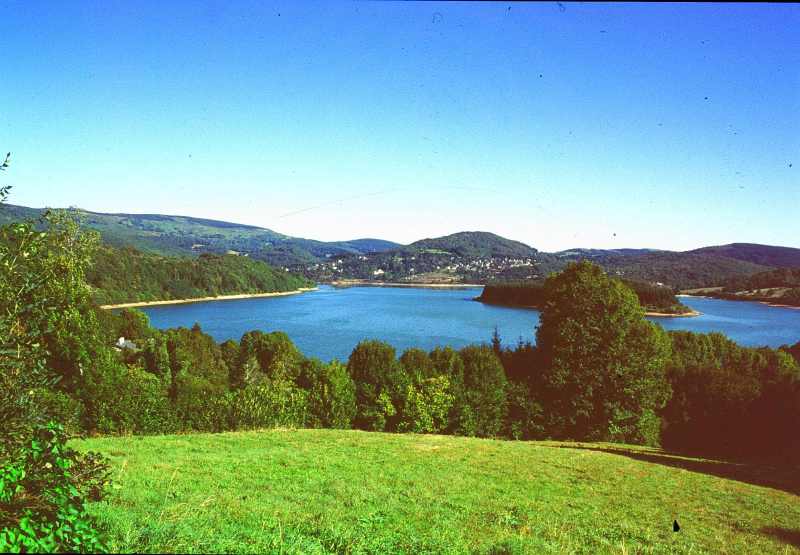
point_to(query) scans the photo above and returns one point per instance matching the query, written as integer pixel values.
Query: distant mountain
(370, 245)
(183, 235)
(474, 244)
(765, 255)
(470, 256)
(682, 270)
(599, 253)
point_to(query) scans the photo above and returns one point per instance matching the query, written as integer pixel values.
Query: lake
(329, 322)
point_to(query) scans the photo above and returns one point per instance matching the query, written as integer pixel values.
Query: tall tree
(602, 361)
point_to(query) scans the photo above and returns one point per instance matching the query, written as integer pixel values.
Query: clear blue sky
(599, 125)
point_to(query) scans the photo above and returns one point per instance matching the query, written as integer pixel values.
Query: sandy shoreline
(667, 315)
(206, 299)
(355, 283)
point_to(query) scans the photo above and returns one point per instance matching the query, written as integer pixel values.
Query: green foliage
(653, 297)
(380, 385)
(43, 496)
(417, 364)
(730, 399)
(514, 294)
(331, 394)
(121, 275)
(485, 386)
(475, 244)
(125, 399)
(47, 332)
(427, 406)
(275, 354)
(268, 404)
(603, 363)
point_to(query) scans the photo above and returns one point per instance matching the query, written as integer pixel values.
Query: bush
(380, 385)
(43, 497)
(426, 406)
(331, 394)
(269, 404)
(125, 399)
(485, 384)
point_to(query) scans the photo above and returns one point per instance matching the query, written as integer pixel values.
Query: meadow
(344, 491)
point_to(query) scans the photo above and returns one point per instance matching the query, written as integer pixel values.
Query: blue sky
(595, 125)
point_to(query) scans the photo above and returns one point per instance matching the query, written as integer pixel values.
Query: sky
(561, 125)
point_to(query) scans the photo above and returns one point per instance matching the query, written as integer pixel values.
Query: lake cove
(329, 322)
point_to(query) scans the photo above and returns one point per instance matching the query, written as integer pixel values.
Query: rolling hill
(764, 255)
(470, 256)
(183, 235)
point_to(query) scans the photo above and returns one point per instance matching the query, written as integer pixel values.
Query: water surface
(329, 322)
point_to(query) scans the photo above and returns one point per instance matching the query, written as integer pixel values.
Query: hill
(681, 270)
(474, 244)
(183, 235)
(123, 275)
(476, 257)
(331, 491)
(780, 286)
(764, 255)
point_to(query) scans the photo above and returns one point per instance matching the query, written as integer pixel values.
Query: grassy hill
(329, 491)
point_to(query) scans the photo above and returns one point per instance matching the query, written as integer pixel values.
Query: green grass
(321, 491)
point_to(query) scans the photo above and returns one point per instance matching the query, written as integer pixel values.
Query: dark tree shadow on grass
(785, 535)
(784, 478)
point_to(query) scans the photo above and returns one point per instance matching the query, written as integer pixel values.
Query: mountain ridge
(452, 258)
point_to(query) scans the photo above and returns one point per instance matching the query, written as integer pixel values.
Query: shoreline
(207, 299)
(743, 299)
(689, 314)
(358, 283)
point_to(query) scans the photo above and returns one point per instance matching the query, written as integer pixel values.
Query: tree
(48, 336)
(417, 364)
(603, 364)
(380, 385)
(485, 385)
(426, 406)
(277, 356)
(331, 394)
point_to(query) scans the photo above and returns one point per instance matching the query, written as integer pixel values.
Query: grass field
(321, 491)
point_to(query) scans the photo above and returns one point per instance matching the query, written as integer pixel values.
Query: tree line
(652, 297)
(120, 275)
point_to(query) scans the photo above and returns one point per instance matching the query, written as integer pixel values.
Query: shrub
(485, 385)
(380, 385)
(426, 406)
(331, 394)
(43, 497)
(269, 404)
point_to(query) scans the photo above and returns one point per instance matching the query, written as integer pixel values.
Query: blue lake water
(329, 322)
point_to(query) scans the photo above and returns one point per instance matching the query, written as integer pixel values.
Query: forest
(652, 297)
(122, 275)
(779, 286)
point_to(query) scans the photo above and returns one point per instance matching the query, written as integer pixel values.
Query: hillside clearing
(321, 491)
